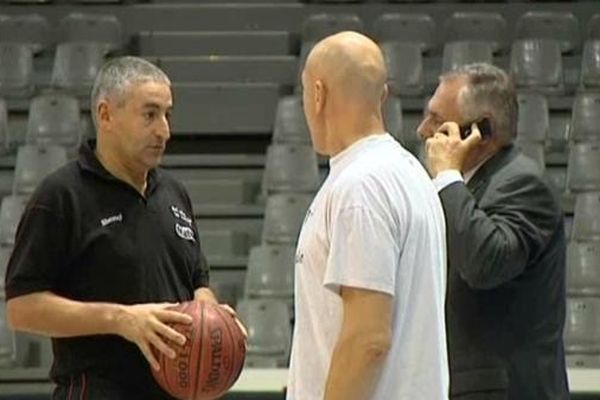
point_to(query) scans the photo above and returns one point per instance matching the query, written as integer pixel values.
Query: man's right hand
(146, 326)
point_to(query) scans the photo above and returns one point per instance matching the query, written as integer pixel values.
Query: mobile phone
(485, 128)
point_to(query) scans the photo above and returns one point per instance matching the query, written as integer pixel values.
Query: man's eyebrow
(156, 106)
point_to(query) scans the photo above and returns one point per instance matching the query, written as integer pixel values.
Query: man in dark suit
(505, 305)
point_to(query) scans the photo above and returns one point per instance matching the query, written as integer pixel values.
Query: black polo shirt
(88, 236)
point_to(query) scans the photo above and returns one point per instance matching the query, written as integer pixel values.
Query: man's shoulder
(520, 168)
(168, 180)
(66, 177)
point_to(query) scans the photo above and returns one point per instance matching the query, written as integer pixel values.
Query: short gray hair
(117, 75)
(489, 90)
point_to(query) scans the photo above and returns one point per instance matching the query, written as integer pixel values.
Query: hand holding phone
(484, 126)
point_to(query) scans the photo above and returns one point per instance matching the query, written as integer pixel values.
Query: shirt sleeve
(40, 252)
(363, 253)
(201, 274)
(447, 178)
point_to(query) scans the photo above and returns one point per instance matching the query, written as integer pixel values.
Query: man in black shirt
(107, 243)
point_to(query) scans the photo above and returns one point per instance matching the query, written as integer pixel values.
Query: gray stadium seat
(590, 64)
(6, 337)
(554, 25)
(32, 351)
(34, 163)
(224, 246)
(488, 27)
(459, 53)
(392, 117)
(534, 117)
(11, 211)
(251, 228)
(586, 220)
(277, 69)
(319, 26)
(585, 117)
(16, 70)
(558, 178)
(594, 27)
(5, 139)
(290, 123)
(284, 213)
(240, 43)
(225, 191)
(29, 29)
(98, 1)
(224, 108)
(534, 151)
(5, 252)
(76, 65)
(54, 119)
(537, 64)
(270, 272)
(411, 28)
(582, 325)
(583, 169)
(583, 361)
(583, 267)
(104, 29)
(269, 332)
(292, 168)
(404, 63)
(568, 226)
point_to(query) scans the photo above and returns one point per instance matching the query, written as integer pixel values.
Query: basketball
(210, 361)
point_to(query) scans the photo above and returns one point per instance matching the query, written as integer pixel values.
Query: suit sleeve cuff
(445, 178)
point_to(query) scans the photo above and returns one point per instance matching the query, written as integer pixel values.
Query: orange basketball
(210, 361)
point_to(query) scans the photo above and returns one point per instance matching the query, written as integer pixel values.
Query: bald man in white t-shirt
(371, 257)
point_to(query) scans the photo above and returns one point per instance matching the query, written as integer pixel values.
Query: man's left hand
(446, 150)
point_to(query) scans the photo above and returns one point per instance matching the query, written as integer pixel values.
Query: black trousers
(90, 387)
(487, 395)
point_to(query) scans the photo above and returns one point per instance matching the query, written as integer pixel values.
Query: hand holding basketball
(211, 359)
(146, 326)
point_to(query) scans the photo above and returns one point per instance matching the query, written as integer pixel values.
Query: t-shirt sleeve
(39, 254)
(201, 274)
(363, 252)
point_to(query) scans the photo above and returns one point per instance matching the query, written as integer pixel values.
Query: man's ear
(320, 96)
(385, 94)
(103, 114)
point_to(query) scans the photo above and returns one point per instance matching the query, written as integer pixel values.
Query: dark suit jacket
(505, 306)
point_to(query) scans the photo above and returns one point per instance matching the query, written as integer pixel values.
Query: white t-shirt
(376, 223)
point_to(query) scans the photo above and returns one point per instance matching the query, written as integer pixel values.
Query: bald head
(350, 65)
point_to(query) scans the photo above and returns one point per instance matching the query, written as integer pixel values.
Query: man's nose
(424, 130)
(164, 129)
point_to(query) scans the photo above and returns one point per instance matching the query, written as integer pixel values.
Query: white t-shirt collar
(357, 146)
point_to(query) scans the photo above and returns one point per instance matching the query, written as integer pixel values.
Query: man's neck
(120, 170)
(476, 162)
(346, 134)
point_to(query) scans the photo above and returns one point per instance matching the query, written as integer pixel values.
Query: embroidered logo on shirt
(112, 219)
(181, 214)
(185, 232)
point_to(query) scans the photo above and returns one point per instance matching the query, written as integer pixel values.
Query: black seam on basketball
(221, 313)
(192, 340)
(201, 346)
(163, 372)
(233, 345)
